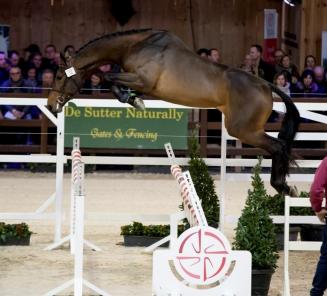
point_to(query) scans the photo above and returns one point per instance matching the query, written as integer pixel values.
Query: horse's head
(68, 82)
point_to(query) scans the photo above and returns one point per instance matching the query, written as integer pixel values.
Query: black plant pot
(142, 241)
(16, 241)
(311, 232)
(294, 231)
(261, 281)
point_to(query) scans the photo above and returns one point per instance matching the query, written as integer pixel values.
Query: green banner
(126, 127)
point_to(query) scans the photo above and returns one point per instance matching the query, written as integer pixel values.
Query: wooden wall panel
(231, 26)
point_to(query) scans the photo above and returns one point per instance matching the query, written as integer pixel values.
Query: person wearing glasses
(318, 192)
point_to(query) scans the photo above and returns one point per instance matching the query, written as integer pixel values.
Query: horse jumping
(159, 64)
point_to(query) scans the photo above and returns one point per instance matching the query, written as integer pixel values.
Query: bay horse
(157, 63)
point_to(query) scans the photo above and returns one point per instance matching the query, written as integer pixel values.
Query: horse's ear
(62, 60)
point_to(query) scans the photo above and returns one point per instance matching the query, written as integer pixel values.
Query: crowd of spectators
(34, 72)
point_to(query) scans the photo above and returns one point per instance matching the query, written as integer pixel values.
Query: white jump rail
(223, 162)
(78, 281)
(296, 245)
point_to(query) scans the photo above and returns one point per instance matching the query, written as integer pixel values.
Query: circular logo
(202, 256)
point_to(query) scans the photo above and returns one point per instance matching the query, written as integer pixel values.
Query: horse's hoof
(138, 103)
(293, 191)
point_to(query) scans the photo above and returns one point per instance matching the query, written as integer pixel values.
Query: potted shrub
(137, 234)
(255, 232)
(14, 234)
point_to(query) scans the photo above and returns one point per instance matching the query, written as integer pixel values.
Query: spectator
(4, 73)
(318, 193)
(203, 52)
(15, 60)
(30, 81)
(261, 68)
(247, 65)
(278, 54)
(319, 78)
(94, 85)
(214, 55)
(310, 62)
(15, 84)
(47, 80)
(49, 60)
(30, 51)
(291, 71)
(281, 82)
(36, 62)
(69, 49)
(306, 86)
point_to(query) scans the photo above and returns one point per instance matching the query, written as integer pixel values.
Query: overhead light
(292, 2)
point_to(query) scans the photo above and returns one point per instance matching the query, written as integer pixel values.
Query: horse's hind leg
(280, 157)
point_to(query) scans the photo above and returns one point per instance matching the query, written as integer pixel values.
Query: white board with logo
(202, 263)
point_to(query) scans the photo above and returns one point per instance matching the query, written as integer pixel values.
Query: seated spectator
(4, 72)
(94, 85)
(214, 55)
(247, 65)
(306, 87)
(281, 82)
(30, 51)
(310, 62)
(30, 81)
(319, 78)
(15, 83)
(36, 62)
(47, 80)
(203, 52)
(15, 60)
(291, 71)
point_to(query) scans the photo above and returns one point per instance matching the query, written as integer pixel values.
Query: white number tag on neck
(70, 72)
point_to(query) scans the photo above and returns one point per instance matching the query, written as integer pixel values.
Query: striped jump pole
(76, 156)
(79, 200)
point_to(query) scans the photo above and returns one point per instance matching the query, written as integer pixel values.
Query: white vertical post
(79, 230)
(223, 155)
(286, 245)
(59, 173)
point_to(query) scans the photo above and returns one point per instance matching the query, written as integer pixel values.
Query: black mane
(112, 35)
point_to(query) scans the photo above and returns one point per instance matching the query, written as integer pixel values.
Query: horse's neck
(105, 51)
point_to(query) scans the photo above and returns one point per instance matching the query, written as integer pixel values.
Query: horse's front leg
(130, 80)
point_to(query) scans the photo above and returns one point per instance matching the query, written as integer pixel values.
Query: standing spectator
(318, 192)
(4, 73)
(310, 62)
(291, 71)
(214, 55)
(47, 80)
(278, 54)
(261, 68)
(247, 65)
(30, 51)
(306, 86)
(319, 78)
(15, 60)
(203, 52)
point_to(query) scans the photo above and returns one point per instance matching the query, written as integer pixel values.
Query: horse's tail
(290, 123)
